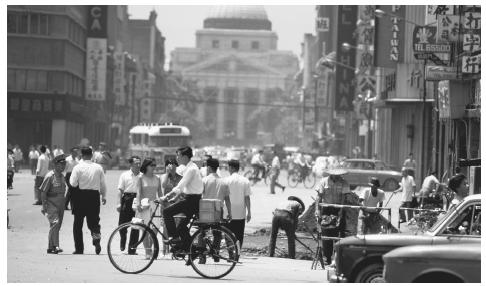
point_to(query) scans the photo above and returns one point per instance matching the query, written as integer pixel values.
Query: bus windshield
(168, 141)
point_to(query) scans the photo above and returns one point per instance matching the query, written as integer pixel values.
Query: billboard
(346, 59)
(97, 21)
(390, 36)
(96, 69)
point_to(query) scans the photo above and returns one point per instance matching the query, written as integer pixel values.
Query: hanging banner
(471, 64)
(97, 21)
(471, 43)
(346, 59)
(322, 24)
(365, 51)
(96, 68)
(119, 78)
(444, 100)
(448, 28)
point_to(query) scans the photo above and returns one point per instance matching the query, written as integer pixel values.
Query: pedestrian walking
(127, 192)
(10, 169)
(57, 151)
(372, 197)
(275, 171)
(409, 164)
(102, 156)
(331, 190)
(71, 161)
(190, 187)
(89, 179)
(33, 157)
(52, 196)
(240, 192)
(407, 187)
(168, 181)
(148, 190)
(40, 172)
(285, 217)
(18, 157)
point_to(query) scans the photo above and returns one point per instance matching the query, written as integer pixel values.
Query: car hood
(458, 252)
(386, 239)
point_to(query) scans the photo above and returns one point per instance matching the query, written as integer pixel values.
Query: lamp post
(380, 14)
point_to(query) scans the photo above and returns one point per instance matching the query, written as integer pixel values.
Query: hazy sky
(178, 24)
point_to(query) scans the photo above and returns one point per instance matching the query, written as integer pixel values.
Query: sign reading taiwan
(96, 69)
(346, 59)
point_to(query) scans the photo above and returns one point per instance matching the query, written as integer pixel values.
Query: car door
(464, 227)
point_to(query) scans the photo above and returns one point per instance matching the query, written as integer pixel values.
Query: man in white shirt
(214, 186)
(275, 174)
(127, 191)
(407, 187)
(371, 197)
(71, 161)
(409, 164)
(258, 164)
(57, 151)
(33, 157)
(40, 173)
(191, 188)
(428, 187)
(18, 156)
(89, 179)
(239, 188)
(102, 156)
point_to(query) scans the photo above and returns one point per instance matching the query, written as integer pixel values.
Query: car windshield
(441, 218)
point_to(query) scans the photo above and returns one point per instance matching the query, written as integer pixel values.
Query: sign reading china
(96, 69)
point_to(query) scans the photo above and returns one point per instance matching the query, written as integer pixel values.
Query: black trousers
(10, 175)
(283, 220)
(409, 212)
(85, 203)
(328, 244)
(67, 198)
(126, 215)
(237, 227)
(189, 206)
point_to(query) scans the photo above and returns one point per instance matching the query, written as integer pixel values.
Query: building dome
(239, 17)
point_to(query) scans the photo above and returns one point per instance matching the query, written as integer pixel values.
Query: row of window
(255, 45)
(43, 24)
(46, 81)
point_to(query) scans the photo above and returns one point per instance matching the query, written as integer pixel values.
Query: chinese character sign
(322, 24)
(118, 78)
(472, 21)
(447, 28)
(95, 69)
(471, 43)
(471, 64)
(444, 99)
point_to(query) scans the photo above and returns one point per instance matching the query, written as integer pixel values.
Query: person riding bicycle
(191, 188)
(302, 165)
(258, 164)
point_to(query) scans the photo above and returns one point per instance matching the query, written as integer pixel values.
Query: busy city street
(243, 143)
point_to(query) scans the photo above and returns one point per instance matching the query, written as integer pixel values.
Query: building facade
(236, 66)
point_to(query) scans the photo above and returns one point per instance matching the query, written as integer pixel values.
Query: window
(20, 79)
(235, 44)
(34, 24)
(44, 24)
(31, 79)
(215, 44)
(468, 222)
(255, 45)
(136, 138)
(11, 79)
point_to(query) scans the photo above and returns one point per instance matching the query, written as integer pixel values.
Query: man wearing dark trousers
(190, 187)
(286, 217)
(127, 191)
(89, 179)
(71, 161)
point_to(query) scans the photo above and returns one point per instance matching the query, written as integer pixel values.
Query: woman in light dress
(149, 189)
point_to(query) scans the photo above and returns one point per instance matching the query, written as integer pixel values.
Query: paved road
(27, 243)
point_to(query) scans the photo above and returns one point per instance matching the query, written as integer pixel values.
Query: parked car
(360, 171)
(360, 258)
(434, 264)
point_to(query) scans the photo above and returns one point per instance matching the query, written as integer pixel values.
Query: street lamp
(380, 14)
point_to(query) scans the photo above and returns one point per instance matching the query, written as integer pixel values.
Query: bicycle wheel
(213, 252)
(132, 248)
(310, 181)
(293, 179)
(249, 175)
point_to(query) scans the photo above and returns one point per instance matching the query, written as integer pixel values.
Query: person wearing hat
(102, 156)
(407, 187)
(52, 197)
(286, 217)
(371, 197)
(88, 179)
(331, 190)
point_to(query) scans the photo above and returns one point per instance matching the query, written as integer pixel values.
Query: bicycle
(295, 177)
(251, 175)
(213, 252)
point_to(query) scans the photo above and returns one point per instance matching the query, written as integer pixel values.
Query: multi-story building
(236, 66)
(46, 50)
(147, 46)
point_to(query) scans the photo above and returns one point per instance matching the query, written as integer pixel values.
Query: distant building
(236, 61)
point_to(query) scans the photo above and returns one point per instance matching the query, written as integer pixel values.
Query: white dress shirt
(42, 166)
(128, 182)
(239, 188)
(70, 163)
(88, 176)
(191, 182)
(33, 155)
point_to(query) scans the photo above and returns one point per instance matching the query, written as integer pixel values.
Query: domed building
(237, 66)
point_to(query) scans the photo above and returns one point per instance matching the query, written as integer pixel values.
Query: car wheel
(390, 185)
(371, 274)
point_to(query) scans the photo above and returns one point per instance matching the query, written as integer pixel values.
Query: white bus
(159, 141)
